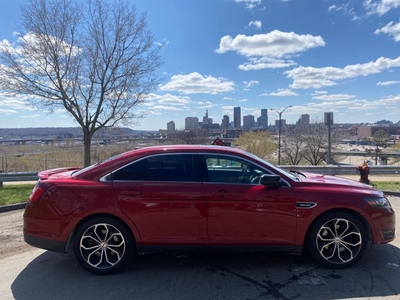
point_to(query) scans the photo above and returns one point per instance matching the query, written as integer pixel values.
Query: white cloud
(195, 83)
(254, 63)
(310, 77)
(7, 111)
(320, 92)
(257, 24)
(283, 93)
(380, 7)
(249, 84)
(270, 50)
(30, 116)
(273, 44)
(392, 30)
(250, 4)
(334, 97)
(332, 7)
(384, 83)
(169, 99)
(163, 107)
(243, 100)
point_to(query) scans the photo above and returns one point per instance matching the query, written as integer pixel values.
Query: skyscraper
(263, 120)
(171, 127)
(237, 117)
(248, 122)
(225, 122)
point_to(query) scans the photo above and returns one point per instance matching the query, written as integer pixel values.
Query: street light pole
(279, 132)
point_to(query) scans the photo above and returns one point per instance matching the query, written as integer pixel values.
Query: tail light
(35, 194)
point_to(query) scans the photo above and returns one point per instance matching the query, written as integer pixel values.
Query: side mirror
(270, 180)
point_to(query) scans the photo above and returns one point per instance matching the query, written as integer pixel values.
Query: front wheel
(337, 240)
(103, 245)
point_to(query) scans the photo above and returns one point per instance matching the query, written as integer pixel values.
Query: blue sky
(316, 55)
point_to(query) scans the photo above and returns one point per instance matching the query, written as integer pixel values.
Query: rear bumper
(46, 244)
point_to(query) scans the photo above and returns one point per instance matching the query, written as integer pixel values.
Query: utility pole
(279, 132)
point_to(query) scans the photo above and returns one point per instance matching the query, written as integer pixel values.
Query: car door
(244, 212)
(164, 197)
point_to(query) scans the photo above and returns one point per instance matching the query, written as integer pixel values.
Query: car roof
(191, 148)
(125, 157)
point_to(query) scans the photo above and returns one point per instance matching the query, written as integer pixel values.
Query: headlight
(378, 202)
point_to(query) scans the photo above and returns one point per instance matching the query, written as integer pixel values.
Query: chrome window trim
(103, 178)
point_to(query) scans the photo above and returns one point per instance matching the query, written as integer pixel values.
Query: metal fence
(329, 170)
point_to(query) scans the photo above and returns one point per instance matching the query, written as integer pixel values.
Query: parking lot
(29, 273)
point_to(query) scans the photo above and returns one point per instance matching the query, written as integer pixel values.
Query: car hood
(328, 180)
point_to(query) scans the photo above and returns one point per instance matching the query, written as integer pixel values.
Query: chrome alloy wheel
(102, 246)
(339, 241)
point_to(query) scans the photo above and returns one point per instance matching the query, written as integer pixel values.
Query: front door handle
(221, 193)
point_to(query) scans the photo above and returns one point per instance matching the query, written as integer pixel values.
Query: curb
(390, 193)
(11, 207)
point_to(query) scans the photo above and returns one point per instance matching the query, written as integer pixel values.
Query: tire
(337, 240)
(103, 245)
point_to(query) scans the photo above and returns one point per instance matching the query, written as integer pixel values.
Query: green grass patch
(393, 186)
(18, 193)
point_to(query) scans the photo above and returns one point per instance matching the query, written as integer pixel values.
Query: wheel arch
(346, 210)
(99, 215)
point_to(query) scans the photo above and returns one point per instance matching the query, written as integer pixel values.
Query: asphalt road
(28, 273)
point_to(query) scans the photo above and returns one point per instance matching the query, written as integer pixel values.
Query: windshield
(290, 175)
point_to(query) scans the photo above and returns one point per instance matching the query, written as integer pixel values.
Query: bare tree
(259, 143)
(315, 138)
(191, 137)
(380, 139)
(293, 144)
(95, 60)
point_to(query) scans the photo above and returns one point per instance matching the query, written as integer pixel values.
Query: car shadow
(212, 276)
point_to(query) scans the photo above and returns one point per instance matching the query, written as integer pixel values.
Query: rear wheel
(103, 245)
(337, 240)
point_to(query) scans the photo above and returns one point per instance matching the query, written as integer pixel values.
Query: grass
(393, 186)
(12, 194)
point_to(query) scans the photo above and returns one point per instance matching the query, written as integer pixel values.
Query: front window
(227, 169)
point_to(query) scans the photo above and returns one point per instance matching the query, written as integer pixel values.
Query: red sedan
(176, 198)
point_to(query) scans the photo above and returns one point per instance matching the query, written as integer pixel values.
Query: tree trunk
(87, 141)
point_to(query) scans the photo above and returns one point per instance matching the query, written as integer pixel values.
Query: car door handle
(130, 193)
(221, 194)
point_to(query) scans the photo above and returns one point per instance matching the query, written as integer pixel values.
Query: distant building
(248, 122)
(225, 122)
(305, 120)
(191, 123)
(237, 117)
(263, 119)
(171, 127)
(283, 123)
(233, 133)
(206, 119)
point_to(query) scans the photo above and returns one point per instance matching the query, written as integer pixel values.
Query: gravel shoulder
(11, 236)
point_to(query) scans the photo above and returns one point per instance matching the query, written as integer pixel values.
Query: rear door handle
(133, 193)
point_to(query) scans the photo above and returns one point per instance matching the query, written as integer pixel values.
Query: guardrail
(345, 169)
(18, 176)
(328, 170)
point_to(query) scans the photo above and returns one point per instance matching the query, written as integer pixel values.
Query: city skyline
(318, 56)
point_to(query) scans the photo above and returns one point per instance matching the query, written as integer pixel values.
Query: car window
(232, 170)
(159, 168)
